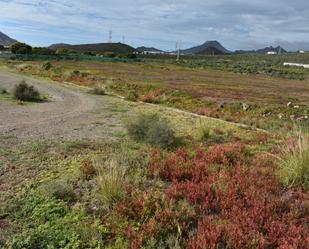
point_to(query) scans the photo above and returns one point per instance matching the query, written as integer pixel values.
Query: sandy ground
(69, 114)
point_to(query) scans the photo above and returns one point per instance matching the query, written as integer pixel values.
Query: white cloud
(236, 23)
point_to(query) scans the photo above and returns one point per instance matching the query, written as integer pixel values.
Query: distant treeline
(25, 49)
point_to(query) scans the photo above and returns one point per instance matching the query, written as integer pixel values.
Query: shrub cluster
(152, 129)
(24, 92)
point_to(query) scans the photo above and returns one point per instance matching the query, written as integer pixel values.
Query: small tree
(21, 48)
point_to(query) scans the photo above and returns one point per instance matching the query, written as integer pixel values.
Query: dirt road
(69, 114)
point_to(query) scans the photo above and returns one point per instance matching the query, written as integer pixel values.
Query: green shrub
(3, 91)
(97, 91)
(294, 163)
(24, 92)
(132, 96)
(61, 189)
(47, 65)
(150, 128)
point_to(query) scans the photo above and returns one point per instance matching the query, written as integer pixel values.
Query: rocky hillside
(6, 40)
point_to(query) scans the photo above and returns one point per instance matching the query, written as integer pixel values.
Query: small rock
(289, 104)
(280, 115)
(292, 117)
(245, 106)
(296, 106)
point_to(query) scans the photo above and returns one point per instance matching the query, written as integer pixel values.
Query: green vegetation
(24, 92)
(294, 163)
(111, 182)
(152, 129)
(3, 91)
(21, 48)
(219, 188)
(42, 51)
(47, 65)
(97, 90)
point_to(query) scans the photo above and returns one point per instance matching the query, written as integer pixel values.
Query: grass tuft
(111, 180)
(294, 163)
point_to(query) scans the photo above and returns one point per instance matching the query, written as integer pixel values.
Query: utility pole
(178, 47)
(110, 36)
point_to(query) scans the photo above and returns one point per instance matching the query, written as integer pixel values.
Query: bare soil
(68, 114)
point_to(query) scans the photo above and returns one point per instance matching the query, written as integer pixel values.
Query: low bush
(132, 96)
(24, 92)
(47, 65)
(97, 91)
(150, 128)
(3, 91)
(61, 189)
(294, 163)
(87, 169)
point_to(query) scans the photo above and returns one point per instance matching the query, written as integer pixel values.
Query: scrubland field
(204, 153)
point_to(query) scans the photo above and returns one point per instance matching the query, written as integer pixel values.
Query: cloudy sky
(237, 24)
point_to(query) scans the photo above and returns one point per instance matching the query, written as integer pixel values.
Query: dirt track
(68, 114)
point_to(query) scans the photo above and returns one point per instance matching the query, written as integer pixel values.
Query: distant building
(153, 52)
(272, 52)
(296, 64)
(301, 51)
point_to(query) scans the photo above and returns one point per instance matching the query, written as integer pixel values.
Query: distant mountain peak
(6, 40)
(208, 47)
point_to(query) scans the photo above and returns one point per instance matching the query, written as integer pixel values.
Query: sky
(236, 24)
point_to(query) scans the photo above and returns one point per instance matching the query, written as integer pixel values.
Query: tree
(20, 48)
(65, 51)
(42, 51)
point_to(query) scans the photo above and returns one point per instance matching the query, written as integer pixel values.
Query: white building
(272, 52)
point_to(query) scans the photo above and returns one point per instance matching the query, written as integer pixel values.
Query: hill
(209, 47)
(6, 40)
(118, 48)
(149, 49)
(278, 50)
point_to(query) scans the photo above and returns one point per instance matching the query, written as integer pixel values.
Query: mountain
(149, 49)
(271, 49)
(278, 50)
(5, 40)
(118, 48)
(209, 47)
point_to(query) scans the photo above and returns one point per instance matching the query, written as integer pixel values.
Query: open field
(79, 171)
(253, 99)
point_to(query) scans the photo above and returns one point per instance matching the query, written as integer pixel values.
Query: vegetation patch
(24, 92)
(294, 163)
(152, 129)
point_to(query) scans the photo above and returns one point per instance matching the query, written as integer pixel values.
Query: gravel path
(69, 114)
